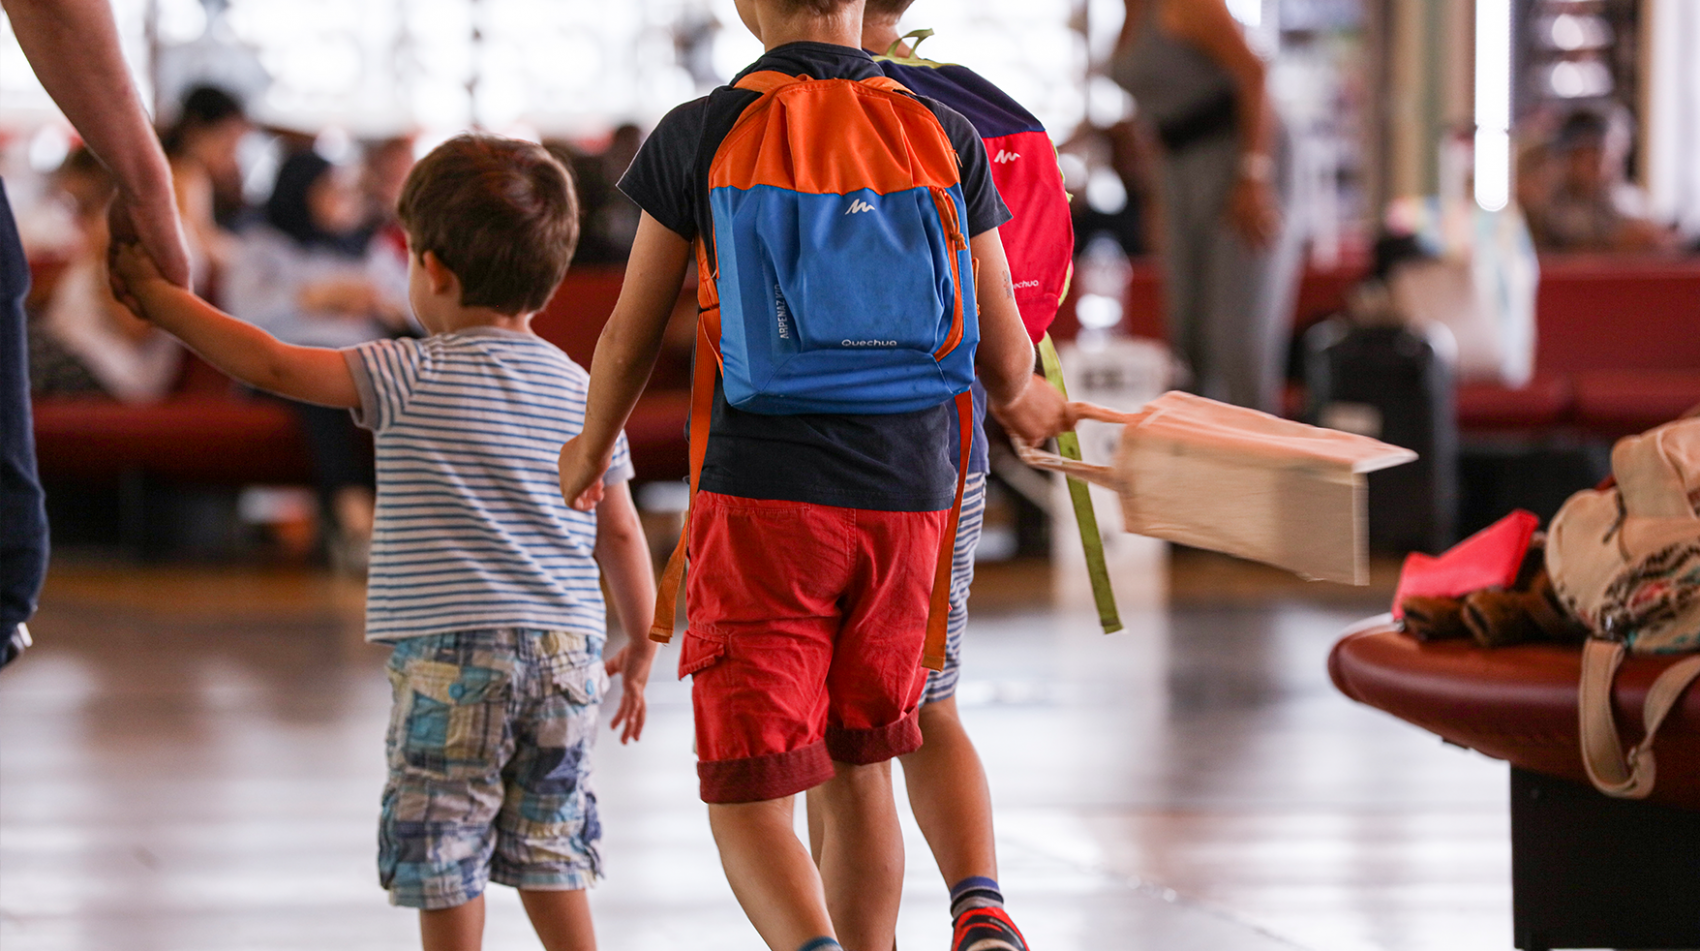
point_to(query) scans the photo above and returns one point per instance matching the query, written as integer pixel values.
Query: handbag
(1626, 562)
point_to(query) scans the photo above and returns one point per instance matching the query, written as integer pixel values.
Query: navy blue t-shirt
(901, 462)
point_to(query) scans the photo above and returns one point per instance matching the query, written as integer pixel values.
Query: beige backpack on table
(1626, 561)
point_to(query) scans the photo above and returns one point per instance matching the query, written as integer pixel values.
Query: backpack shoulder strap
(768, 80)
(886, 83)
(1612, 773)
(705, 369)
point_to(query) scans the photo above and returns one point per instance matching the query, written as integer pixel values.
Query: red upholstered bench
(1587, 870)
(1617, 350)
(207, 432)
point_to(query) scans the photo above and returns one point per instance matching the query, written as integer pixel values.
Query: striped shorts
(941, 684)
(489, 765)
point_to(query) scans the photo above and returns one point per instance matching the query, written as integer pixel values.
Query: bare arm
(1207, 25)
(73, 47)
(625, 353)
(309, 374)
(623, 553)
(1023, 402)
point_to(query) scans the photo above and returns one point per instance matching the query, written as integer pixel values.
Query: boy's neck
(468, 318)
(879, 34)
(841, 28)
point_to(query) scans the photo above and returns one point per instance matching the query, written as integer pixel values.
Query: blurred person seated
(202, 149)
(608, 220)
(84, 342)
(1109, 176)
(309, 276)
(383, 171)
(384, 165)
(1574, 193)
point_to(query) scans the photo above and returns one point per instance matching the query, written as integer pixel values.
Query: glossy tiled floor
(190, 761)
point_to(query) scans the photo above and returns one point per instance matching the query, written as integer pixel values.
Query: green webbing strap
(1068, 445)
(913, 59)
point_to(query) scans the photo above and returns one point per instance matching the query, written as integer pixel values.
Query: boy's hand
(581, 475)
(1037, 414)
(634, 666)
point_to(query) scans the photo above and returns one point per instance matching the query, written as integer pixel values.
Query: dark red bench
(1617, 351)
(207, 431)
(1587, 870)
(1617, 344)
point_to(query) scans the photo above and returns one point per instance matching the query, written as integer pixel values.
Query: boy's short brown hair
(500, 213)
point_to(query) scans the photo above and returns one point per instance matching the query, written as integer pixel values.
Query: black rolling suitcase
(1388, 382)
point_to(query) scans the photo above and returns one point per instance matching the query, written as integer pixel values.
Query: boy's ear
(436, 271)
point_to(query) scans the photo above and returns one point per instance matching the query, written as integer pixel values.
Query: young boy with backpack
(944, 778)
(482, 578)
(838, 225)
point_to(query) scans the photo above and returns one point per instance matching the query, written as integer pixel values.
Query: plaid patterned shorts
(489, 765)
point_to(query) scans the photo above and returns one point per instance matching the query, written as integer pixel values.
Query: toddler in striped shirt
(482, 577)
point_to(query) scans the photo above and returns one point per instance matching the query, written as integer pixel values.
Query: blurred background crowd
(1401, 200)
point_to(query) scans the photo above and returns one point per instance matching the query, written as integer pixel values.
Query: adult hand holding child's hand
(581, 475)
(159, 233)
(130, 268)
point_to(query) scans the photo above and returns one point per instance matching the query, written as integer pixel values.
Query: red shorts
(806, 624)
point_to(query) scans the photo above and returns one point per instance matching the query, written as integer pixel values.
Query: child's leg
(460, 928)
(861, 854)
(549, 830)
(770, 871)
(560, 918)
(948, 792)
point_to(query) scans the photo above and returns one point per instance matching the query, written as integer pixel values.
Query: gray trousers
(1229, 307)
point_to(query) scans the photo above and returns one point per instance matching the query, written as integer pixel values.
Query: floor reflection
(192, 757)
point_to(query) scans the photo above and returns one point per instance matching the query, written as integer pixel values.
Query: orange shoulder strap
(768, 80)
(886, 83)
(938, 606)
(704, 370)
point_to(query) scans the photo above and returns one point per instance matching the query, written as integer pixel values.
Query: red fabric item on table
(1488, 559)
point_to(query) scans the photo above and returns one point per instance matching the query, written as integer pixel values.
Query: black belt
(1218, 113)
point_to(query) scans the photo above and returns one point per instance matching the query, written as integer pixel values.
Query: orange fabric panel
(878, 138)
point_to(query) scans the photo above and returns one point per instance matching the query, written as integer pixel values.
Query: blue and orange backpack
(836, 278)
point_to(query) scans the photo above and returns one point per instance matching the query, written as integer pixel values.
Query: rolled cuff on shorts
(876, 744)
(769, 776)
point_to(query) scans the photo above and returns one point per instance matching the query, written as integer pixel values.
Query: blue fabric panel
(836, 303)
(990, 109)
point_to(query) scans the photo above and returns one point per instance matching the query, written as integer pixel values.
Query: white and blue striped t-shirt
(471, 531)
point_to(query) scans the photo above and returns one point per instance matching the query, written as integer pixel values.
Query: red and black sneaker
(986, 929)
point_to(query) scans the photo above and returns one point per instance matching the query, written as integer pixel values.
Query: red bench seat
(1514, 703)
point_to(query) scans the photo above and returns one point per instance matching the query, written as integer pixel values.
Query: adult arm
(1208, 26)
(623, 554)
(73, 47)
(1022, 401)
(625, 354)
(309, 374)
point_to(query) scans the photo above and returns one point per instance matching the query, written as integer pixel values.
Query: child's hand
(1039, 413)
(634, 666)
(581, 476)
